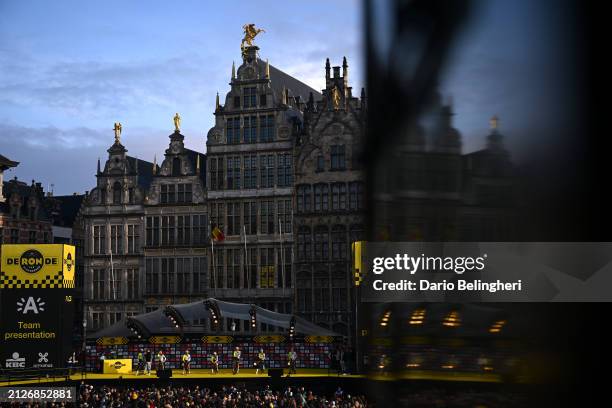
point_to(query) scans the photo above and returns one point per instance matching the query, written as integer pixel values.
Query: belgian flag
(216, 234)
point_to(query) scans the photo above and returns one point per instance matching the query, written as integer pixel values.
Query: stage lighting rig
(253, 314)
(292, 327)
(137, 328)
(175, 317)
(213, 309)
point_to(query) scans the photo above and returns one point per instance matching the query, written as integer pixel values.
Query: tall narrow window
(304, 244)
(99, 239)
(132, 283)
(176, 166)
(233, 173)
(99, 282)
(117, 239)
(250, 129)
(267, 217)
(338, 157)
(321, 197)
(266, 166)
(266, 128)
(285, 173)
(233, 219)
(250, 171)
(321, 243)
(304, 198)
(233, 130)
(250, 217)
(117, 193)
(339, 246)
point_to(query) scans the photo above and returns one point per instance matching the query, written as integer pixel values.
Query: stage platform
(225, 375)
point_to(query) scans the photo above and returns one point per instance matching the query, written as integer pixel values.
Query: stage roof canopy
(192, 314)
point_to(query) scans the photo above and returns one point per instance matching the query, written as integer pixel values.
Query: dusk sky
(70, 69)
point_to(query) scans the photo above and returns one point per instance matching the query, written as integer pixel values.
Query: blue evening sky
(70, 69)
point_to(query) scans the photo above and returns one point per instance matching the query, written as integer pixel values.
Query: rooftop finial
(233, 70)
(217, 102)
(267, 69)
(198, 164)
(494, 122)
(327, 68)
(155, 164)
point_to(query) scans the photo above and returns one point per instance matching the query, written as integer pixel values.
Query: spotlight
(452, 319)
(253, 314)
(292, 327)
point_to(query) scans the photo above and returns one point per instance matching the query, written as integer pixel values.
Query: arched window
(321, 242)
(117, 193)
(176, 166)
(304, 243)
(339, 242)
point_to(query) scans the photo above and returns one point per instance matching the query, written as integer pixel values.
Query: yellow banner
(165, 340)
(358, 272)
(269, 339)
(37, 266)
(318, 339)
(117, 366)
(217, 339)
(111, 341)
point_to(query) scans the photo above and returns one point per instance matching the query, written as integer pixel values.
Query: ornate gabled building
(250, 183)
(176, 228)
(329, 202)
(113, 227)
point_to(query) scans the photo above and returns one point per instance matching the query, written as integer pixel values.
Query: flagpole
(246, 259)
(212, 248)
(282, 257)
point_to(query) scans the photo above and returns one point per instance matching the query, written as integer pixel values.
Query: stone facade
(329, 202)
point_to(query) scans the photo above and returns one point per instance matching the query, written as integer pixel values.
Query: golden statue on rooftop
(117, 129)
(336, 98)
(177, 123)
(250, 32)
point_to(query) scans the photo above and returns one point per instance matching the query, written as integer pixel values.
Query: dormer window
(176, 166)
(250, 97)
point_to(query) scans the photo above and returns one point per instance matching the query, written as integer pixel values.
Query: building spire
(98, 165)
(155, 164)
(217, 102)
(327, 68)
(344, 68)
(198, 164)
(233, 70)
(267, 69)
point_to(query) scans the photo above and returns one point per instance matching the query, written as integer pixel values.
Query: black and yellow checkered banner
(111, 341)
(269, 339)
(37, 266)
(165, 339)
(318, 339)
(358, 271)
(217, 339)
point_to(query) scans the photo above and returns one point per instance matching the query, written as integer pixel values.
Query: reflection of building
(329, 202)
(427, 190)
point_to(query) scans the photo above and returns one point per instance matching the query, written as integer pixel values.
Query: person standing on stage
(148, 360)
(214, 360)
(236, 360)
(261, 358)
(140, 364)
(161, 360)
(186, 362)
(291, 361)
(102, 358)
